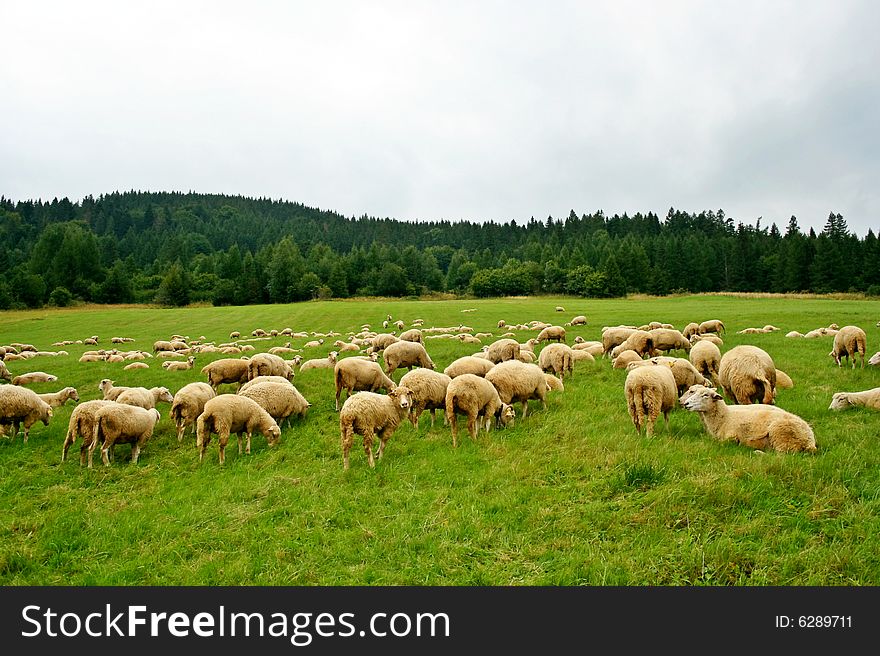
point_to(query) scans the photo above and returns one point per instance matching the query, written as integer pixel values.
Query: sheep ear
(715, 395)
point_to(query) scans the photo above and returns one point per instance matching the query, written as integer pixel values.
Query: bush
(60, 297)
(873, 290)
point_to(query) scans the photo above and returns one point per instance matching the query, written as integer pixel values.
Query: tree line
(178, 248)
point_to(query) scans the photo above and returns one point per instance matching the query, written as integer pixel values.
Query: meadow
(571, 495)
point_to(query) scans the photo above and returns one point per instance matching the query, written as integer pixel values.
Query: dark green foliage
(175, 287)
(60, 297)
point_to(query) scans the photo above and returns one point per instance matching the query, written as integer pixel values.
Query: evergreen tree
(175, 287)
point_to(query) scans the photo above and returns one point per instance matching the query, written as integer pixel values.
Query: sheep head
(840, 401)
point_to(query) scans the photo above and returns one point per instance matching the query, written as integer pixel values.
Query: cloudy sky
(451, 110)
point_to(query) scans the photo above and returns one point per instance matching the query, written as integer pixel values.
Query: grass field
(569, 496)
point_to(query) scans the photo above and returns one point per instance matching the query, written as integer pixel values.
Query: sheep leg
(453, 422)
(248, 447)
(384, 436)
(473, 429)
(222, 441)
(135, 452)
(347, 439)
(68, 440)
(368, 446)
(240, 445)
(105, 454)
(525, 408)
(433, 416)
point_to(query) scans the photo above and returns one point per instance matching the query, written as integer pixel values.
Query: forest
(174, 249)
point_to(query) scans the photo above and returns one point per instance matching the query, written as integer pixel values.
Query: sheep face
(699, 398)
(165, 395)
(840, 401)
(506, 415)
(403, 396)
(274, 435)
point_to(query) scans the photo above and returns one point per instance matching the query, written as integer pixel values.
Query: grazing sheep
(180, 366)
(593, 348)
(268, 364)
(320, 363)
(110, 391)
(691, 329)
(226, 370)
(554, 383)
(683, 371)
(479, 400)
(848, 342)
(4, 372)
(469, 364)
(232, 413)
(551, 333)
(82, 423)
(145, 398)
(163, 345)
(755, 426)
(258, 332)
(118, 423)
(613, 337)
(280, 400)
(34, 377)
(20, 406)
(875, 359)
(639, 341)
(370, 414)
(624, 358)
(579, 320)
(783, 380)
(381, 341)
(428, 393)
(706, 357)
(263, 379)
(556, 359)
(519, 382)
(559, 308)
(58, 399)
(412, 335)
(709, 337)
(188, 404)
(747, 375)
(502, 323)
(711, 326)
(502, 350)
(136, 365)
(867, 399)
(406, 354)
(649, 391)
(581, 356)
(358, 375)
(669, 339)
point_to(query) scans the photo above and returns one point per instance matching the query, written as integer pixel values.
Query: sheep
(875, 359)
(706, 357)
(711, 326)
(428, 393)
(717, 341)
(683, 371)
(669, 339)
(358, 375)
(593, 348)
(502, 349)
(370, 414)
(320, 363)
(649, 391)
(751, 331)
(639, 341)
(231, 413)
(4, 372)
(867, 399)
(280, 400)
(581, 356)
(145, 398)
(314, 343)
(848, 342)
(692, 328)
(226, 370)
(551, 333)
(82, 423)
(381, 341)
(612, 337)
(263, 379)
(20, 406)
(110, 391)
(579, 320)
(119, 423)
(794, 333)
(559, 308)
(268, 364)
(502, 323)
(783, 380)
(519, 382)
(479, 400)
(747, 375)
(624, 358)
(136, 365)
(769, 328)
(163, 345)
(406, 354)
(58, 399)
(554, 383)
(556, 359)
(187, 405)
(469, 364)
(756, 426)
(34, 377)
(180, 366)
(258, 332)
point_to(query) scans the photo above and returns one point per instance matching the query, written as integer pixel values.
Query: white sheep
(875, 359)
(712, 326)
(145, 398)
(58, 399)
(519, 382)
(280, 400)
(755, 426)
(551, 333)
(20, 406)
(268, 364)
(187, 405)
(136, 365)
(624, 358)
(370, 415)
(406, 354)
(469, 364)
(226, 370)
(479, 400)
(502, 349)
(359, 375)
(428, 389)
(848, 342)
(649, 391)
(747, 375)
(4, 372)
(579, 320)
(556, 359)
(867, 399)
(263, 379)
(231, 413)
(82, 424)
(706, 357)
(34, 377)
(412, 335)
(320, 363)
(110, 391)
(180, 366)
(118, 423)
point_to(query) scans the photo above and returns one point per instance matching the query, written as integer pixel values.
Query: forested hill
(175, 248)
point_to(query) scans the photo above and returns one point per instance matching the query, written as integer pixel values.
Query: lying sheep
(556, 359)
(136, 365)
(867, 399)
(370, 414)
(119, 423)
(82, 424)
(747, 375)
(624, 358)
(231, 413)
(848, 342)
(180, 366)
(755, 426)
(428, 393)
(109, 390)
(593, 348)
(268, 364)
(714, 339)
(188, 404)
(794, 333)
(581, 356)
(479, 400)
(783, 380)
(412, 335)
(280, 400)
(706, 357)
(469, 364)
(358, 375)
(554, 383)
(551, 333)
(406, 354)
(649, 391)
(20, 406)
(58, 399)
(34, 377)
(4, 372)
(639, 341)
(145, 398)
(711, 326)
(519, 382)
(502, 350)
(225, 371)
(320, 363)
(669, 339)
(875, 359)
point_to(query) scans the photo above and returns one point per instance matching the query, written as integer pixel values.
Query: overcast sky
(451, 110)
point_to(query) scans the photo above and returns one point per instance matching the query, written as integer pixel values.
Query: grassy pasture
(569, 496)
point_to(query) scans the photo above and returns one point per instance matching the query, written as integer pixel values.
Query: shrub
(60, 297)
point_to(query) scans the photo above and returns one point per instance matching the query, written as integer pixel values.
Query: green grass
(569, 496)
